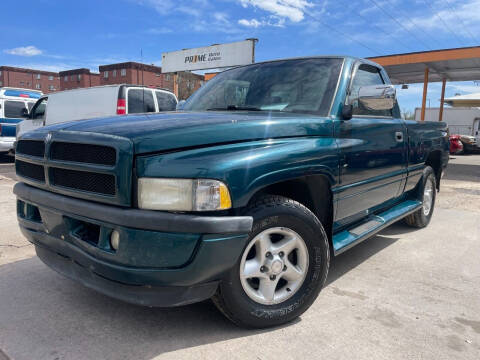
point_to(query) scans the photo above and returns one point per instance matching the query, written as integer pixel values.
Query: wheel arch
(312, 191)
(434, 160)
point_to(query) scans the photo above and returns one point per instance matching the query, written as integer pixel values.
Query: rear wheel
(427, 194)
(282, 268)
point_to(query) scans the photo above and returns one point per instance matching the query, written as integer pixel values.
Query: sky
(60, 34)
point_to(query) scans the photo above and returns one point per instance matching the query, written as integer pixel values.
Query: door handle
(399, 136)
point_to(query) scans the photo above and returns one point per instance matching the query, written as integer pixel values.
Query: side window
(14, 109)
(39, 110)
(140, 101)
(166, 101)
(366, 75)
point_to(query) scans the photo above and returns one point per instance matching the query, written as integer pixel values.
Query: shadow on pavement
(6, 159)
(44, 315)
(462, 172)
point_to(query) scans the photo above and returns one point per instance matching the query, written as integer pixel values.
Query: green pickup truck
(242, 196)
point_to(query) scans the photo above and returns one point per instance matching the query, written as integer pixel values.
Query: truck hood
(166, 131)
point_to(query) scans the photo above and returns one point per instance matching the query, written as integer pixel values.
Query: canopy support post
(442, 100)
(424, 100)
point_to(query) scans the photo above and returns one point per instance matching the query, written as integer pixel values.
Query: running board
(346, 239)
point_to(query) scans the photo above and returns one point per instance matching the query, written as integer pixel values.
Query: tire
(421, 217)
(281, 221)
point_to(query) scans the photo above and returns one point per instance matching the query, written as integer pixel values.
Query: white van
(98, 101)
(14, 106)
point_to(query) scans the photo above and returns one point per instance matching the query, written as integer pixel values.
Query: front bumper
(6, 143)
(163, 259)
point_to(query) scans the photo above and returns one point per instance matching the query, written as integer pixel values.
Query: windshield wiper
(235, 108)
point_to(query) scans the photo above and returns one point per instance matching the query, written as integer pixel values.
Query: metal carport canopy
(461, 64)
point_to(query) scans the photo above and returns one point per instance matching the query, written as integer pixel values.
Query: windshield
(302, 85)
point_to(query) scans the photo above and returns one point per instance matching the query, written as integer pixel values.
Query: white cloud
(463, 17)
(24, 51)
(250, 23)
(293, 10)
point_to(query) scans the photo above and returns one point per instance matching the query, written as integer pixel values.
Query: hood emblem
(48, 138)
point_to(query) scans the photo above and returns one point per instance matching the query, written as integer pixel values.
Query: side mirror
(347, 112)
(377, 97)
(25, 113)
(181, 104)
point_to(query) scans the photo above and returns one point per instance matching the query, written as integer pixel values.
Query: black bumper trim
(135, 218)
(158, 296)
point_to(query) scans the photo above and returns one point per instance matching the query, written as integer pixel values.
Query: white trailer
(460, 120)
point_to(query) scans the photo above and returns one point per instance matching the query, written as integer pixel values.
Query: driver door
(372, 146)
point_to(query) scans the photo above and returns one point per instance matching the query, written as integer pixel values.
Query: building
(149, 75)
(78, 78)
(122, 73)
(188, 83)
(45, 81)
(136, 74)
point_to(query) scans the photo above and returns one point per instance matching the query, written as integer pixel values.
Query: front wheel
(427, 194)
(282, 268)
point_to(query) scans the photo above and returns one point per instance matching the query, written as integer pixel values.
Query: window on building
(65, 78)
(167, 77)
(22, 83)
(28, 83)
(38, 77)
(72, 77)
(0, 72)
(114, 73)
(140, 101)
(105, 74)
(50, 78)
(158, 74)
(166, 101)
(38, 86)
(123, 72)
(1, 83)
(79, 77)
(51, 88)
(14, 109)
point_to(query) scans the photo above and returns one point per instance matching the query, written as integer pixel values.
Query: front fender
(247, 167)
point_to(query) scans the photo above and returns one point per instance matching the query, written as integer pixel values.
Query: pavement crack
(16, 247)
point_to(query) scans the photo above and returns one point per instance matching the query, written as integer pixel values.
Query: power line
(400, 24)
(380, 29)
(443, 21)
(463, 23)
(341, 33)
(414, 23)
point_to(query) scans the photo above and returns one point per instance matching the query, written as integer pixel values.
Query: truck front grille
(31, 171)
(31, 147)
(82, 180)
(83, 153)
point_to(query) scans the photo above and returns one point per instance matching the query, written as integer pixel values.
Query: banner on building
(210, 57)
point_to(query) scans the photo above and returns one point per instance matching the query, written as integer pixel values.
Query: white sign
(210, 57)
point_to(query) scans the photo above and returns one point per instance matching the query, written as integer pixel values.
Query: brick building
(149, 75)
(121, 73)
(135, 73)
(188, 83)
(45, 81)
(78, 78)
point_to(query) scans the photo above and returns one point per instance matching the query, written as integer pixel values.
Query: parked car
(94, 102)
(14, 106)
(456, 146)
(241, 197)
(469, 144)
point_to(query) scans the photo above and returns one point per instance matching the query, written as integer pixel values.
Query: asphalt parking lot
(403, 294)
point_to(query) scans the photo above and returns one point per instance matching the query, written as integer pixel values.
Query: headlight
(183, 194)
